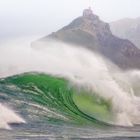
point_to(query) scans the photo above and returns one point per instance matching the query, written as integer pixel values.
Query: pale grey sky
(27, 17)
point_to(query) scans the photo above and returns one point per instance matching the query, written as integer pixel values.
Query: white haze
(80, 66)
(41, 17)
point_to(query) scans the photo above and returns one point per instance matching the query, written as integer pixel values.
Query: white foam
(8, 116)
(81, 66)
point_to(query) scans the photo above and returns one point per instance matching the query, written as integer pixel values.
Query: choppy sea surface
(39, 131)
(49, 106)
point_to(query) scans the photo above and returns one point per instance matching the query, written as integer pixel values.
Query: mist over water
(80, 66)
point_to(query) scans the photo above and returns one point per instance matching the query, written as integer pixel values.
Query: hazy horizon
(41, 17)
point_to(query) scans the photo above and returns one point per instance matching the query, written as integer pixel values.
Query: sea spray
(8, 116)
(82, 67)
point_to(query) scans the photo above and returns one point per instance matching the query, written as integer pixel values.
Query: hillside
(90, 32)
(127, 28)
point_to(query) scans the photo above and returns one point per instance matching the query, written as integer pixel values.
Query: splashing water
(91, 75)
(8, 116)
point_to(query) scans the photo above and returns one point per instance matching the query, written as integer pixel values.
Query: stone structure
(87, 12)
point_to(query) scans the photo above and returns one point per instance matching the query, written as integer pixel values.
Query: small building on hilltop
(87, 12)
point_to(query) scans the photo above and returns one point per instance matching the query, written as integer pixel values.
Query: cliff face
(94, 34)
(127, 28)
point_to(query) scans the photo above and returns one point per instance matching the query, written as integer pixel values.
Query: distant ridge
(92, 33)
(127, 28)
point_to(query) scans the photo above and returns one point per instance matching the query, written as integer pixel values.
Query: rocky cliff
(90, 32)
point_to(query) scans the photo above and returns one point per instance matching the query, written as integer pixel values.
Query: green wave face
(58, 95)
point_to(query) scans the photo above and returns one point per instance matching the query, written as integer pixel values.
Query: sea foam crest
(82, 67)
(8, 116)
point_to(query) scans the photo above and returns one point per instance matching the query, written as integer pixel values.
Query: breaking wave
(60, 82)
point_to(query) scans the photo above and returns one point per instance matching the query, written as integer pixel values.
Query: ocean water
(58, 91)
(49, 106)
(41, 131)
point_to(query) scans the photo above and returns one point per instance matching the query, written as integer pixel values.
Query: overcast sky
(40, 17)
